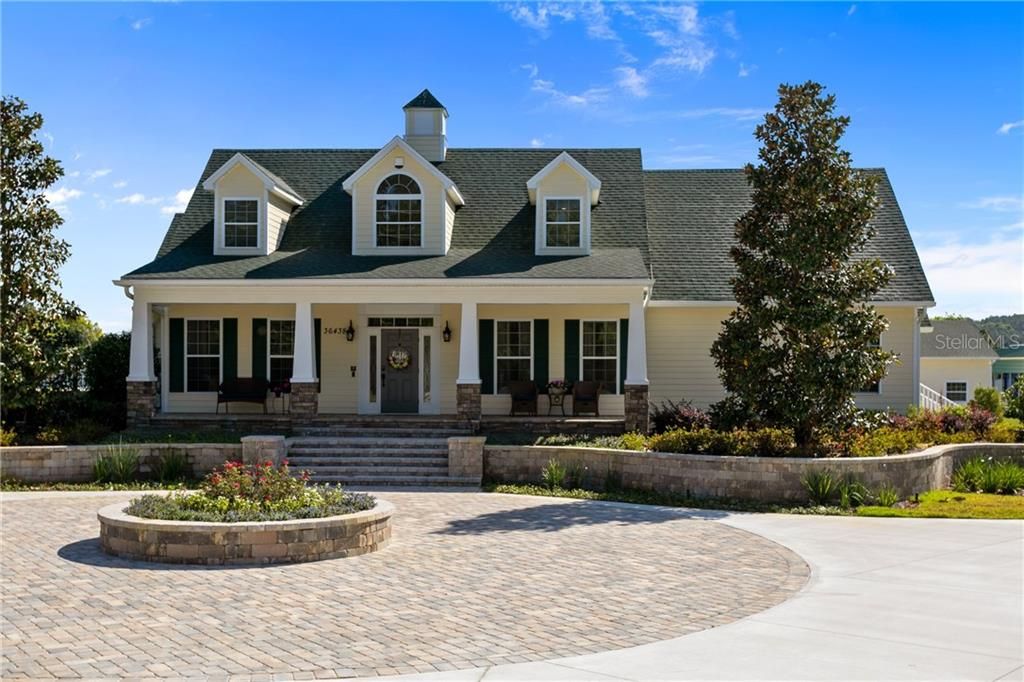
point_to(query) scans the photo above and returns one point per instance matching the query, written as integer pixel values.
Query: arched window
(399, 212)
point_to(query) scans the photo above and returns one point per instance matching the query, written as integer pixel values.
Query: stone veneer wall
(637, 408)
(73, 463)
(268, 542)
(141, 402)
(467, 403)
(768, 479)
(303, 400)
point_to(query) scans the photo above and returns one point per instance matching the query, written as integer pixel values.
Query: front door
(400, 370)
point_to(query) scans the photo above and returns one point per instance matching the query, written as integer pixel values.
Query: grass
(948, 504)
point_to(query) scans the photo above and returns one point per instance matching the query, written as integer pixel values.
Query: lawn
(947, 504)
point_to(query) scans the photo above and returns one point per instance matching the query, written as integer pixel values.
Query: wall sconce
(352, 368)
(350, 331)
(447, 333)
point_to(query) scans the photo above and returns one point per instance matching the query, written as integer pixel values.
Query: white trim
(210, 184)
(497, 388)
(916, 369)
(618, 351)
(942, 358)
(270, 354)
(967, 390)
(541, 238)
(672, 303)
(165, 361)
(593, 184)
(448, 183)
(455, 282)
(261, 232)
(220, 353)
(377, 196)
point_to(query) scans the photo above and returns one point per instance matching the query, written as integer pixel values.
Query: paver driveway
(470, 579)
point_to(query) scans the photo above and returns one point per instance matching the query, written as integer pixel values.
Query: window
(202, 355)
(956, 391)
(399, 220)
(423, 123)
(241, 223)
(400, 322)
(562, 222)
(373, 368)
(282, 351)
(513, 353)
(601, 353)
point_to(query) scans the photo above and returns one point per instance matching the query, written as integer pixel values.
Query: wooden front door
(400, 376)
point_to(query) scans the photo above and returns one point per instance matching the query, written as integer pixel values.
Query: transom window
(202, 355)
(513, 353)
(956, 391)
(282, 351)
(600, 354)
(562, 222)
(400, 322)
(241, 223)
(399, 213)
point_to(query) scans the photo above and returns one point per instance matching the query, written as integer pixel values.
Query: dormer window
(241, 223)
(562, 223)
(399, 215)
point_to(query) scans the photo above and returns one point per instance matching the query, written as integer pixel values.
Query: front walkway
(469, 580)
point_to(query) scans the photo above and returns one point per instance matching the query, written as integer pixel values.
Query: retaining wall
(73, 463)
(767, 479)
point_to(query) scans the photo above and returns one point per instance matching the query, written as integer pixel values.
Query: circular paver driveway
(470, 579)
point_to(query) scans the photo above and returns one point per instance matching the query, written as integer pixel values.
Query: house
(956, 358)
(1009, 367)
(419, 278)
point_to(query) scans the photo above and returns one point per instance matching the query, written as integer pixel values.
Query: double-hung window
(282, 351)
(202, 355)
(956, 391)
(562, 223)
(513, 353)
(600, 356)
(399, 212)
(241, 223)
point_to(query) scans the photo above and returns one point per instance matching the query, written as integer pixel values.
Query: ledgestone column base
(467, 404)
(637, 408)
(303, 400)
(141, 402)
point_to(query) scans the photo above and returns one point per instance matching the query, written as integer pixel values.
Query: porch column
(141, 383)
(636, 384)
(467, 386)
(303, 401)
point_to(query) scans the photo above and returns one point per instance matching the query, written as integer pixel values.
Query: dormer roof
(272, 182)
(425, 100)
(593, 183)
(449, 184)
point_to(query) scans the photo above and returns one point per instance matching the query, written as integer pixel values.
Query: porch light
(446, 334)
(350, 331)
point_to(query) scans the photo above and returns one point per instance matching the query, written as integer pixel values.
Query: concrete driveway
(888, 599)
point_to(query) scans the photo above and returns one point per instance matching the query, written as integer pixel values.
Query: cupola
(426, 122)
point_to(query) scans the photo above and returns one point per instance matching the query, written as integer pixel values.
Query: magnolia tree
(802, 339)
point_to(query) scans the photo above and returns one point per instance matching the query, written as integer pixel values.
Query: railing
(932, 399)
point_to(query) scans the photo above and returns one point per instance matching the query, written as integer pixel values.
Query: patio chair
(585, 395)
(524, 397)
(243, 390)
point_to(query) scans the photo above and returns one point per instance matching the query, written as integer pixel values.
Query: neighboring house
(422, 278)
(1009, 367)
(956, 358)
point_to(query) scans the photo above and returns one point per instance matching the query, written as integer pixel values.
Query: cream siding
(239, 182)
(278, 212)
(364, 206)
(449, 222)
(935, 372)
(563, 182)
(449, 369)
(338, 388)
(430, 144)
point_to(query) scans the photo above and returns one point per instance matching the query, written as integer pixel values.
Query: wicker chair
(585, 396)
(524, 397)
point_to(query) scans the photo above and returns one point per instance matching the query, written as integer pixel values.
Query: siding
(278, 212)
(935, 372)
(338, 388)
(238, 182)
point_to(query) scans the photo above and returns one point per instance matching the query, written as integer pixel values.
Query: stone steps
(323, 463)
(400, 481)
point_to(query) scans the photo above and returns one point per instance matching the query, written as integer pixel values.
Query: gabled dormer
(402, 205)
(563, 192)
(251, 207)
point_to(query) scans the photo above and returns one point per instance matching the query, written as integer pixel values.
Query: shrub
(887, 495)
(633, 441)
(1013, 397)
(822, 486)
(988, 398)
(852, 493)
(682, 415)
(574, 475)
(730, 413)
(553, 474)
(769, 442)
(884, 441)
(120, 464)
(106, 366)
(171, 467)
(979, 420)
(954, 419)
(7, 437)
(1007, 430)
(925, 420)
(984, 475)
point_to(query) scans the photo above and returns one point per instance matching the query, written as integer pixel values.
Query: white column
(469, 346)
(304, 366)
(916, 372)
(636, 357)
(140, 367)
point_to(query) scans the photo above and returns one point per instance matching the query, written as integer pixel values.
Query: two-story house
(418, 278)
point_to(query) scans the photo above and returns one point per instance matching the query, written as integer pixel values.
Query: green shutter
(540, 355)
(260, 331)
(572, 350)
(486, 356)
(176, 359)
(623, 353)
(316, 348)
(229, 349)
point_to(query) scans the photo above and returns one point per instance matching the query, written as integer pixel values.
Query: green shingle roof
(424, 100)
(956, 339)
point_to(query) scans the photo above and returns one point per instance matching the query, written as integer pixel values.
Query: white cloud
(849, 12)
(530, 69)
(976, 279)
(138, 198)
(688, 159)
(1002, 204)
(1007, 127)
(582, 100)
(181, 199)
(746, 70)
(99, 173)
(120, 183)
(61, 195)
(74, 174)
(695, 57)
(140, 24)
(536, 143)
(633, 82)
(537, 16)
(48, 136)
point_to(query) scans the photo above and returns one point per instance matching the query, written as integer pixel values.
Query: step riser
(396, 482)
(385, 460)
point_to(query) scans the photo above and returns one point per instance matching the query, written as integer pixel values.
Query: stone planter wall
(768, 479)
(271, 542)
(73, 463)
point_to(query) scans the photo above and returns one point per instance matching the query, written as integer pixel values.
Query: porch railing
(932, 399)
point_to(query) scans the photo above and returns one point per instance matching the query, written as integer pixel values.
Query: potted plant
(285, 387)
(558, 387)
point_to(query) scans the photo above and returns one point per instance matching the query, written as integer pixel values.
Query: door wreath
(399, 358)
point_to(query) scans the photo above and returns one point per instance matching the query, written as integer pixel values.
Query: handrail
(932, 399)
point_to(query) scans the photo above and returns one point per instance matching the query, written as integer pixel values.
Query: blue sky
(136, 95)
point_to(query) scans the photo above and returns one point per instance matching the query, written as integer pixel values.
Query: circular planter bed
(253, 543)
